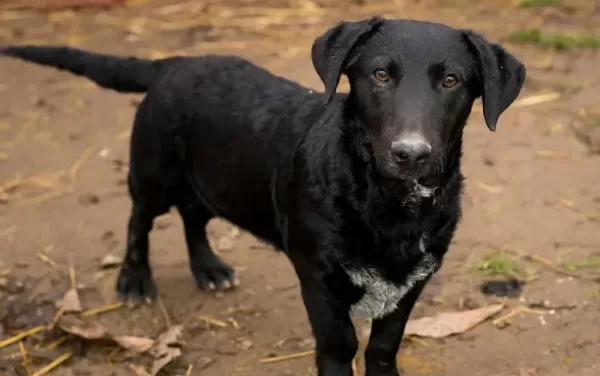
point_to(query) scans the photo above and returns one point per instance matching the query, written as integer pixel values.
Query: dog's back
(220, 122)
(234, 125)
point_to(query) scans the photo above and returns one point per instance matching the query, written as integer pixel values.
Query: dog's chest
(382, 296)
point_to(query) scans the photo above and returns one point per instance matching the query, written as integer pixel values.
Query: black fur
(219, 136)
(126, 75)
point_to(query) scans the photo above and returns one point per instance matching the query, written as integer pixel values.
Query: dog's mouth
(423, 173)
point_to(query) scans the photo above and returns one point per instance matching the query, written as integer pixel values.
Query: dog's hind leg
(151, 173)
(208, 269)
(135, 280)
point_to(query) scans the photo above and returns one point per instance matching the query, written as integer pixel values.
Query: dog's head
(412, 86)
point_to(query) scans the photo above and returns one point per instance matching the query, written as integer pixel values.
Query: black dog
(361, 191)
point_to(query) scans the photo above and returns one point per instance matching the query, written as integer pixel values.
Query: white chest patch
(382, 296)
(423, 191)
(418, 193)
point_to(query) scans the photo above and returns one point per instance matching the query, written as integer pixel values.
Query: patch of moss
(560, 42)
(538, 3)
(498, 263)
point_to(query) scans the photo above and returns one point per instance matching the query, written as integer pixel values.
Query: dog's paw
(135, 284)
(215, 275)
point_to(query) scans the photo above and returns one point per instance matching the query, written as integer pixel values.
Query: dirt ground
(533, 189)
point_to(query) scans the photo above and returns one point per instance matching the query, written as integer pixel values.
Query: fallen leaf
(94, 331)
(225, 244)
(84, 329)
(70, 302)
(110, 261)
(133, 343)
(204, 363)
(449, 323)
(166, 348)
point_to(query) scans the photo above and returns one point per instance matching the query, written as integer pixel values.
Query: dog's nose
(411, 150)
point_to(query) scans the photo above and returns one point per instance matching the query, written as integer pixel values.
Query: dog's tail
(122, 74)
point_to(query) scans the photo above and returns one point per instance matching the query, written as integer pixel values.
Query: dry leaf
(84, 329)
(167, 348)
(446, 324)
(70, 302)
(133, 343)
(110, 261)
(224, 244)
(94, 331)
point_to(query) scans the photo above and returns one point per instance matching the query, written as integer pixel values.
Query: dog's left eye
(381, 75)
(450, 81)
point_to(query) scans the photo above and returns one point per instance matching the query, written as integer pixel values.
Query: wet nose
(411, 150)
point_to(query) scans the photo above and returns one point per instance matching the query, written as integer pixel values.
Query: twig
(537, 99)
(20, 336)
(96, 311)
(55, 363)
(417, 341)
(57, 317)
(23, 353)
(548, 264)
(45, 259)
(45, 180)
(163, 309)
(212, 321)
(57, 343)
(189, 370)
(72, 277)
(21, 135)
(529, 101)
(516, 311)
(287, 357)
(43, 197)
(112, 354)
(80, 162)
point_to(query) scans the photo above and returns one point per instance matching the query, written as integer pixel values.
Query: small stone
(488, 160)
(3, 282)
(103, 153)
(88, 199)
(245, 344)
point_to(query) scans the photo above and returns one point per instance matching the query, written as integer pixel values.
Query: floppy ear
(331, 50)
(501, 76)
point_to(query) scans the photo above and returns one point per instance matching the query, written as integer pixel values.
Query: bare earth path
(532, 187)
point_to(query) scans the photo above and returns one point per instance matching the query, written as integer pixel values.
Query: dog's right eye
(381, 75)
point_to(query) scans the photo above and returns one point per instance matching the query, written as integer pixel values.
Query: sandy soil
(532, 187)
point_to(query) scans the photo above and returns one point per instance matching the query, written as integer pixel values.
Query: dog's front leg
(386, 335)
(332, 328)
